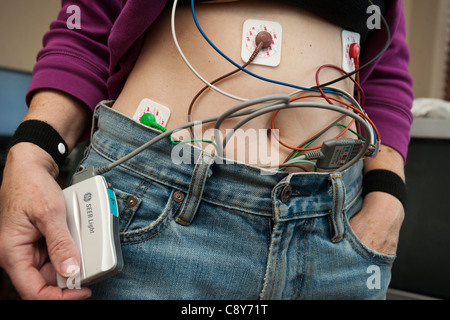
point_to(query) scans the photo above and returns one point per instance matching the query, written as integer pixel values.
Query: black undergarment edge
(350, 15)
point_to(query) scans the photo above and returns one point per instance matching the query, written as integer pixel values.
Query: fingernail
(70, 268)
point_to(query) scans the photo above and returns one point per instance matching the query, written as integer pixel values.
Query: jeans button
(178, 196)
(132, 201)
(286, 193)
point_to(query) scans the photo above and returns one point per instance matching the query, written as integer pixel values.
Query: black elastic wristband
(384, 181)
(44, 136)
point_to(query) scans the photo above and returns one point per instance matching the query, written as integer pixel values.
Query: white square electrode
(161, 113)
(270, 56)
(348, 38)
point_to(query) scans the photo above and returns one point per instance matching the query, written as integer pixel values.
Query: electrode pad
(160, 112)
(348, 38)
(270, 56)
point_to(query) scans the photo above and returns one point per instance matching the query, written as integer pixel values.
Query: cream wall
(23, 22)
(428, 37)
(22, 25)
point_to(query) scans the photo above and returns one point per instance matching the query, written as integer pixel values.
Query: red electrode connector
(354, 52)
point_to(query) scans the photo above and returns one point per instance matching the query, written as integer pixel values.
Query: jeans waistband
(235, 185)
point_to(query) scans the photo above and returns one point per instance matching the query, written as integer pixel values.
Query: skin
(34, 240)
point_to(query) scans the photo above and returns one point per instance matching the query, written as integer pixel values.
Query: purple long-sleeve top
(92, 63)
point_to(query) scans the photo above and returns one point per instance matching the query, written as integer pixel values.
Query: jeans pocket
(127, 205)
(86, 152)
(361, 248)
(145, 214)
(145, 206)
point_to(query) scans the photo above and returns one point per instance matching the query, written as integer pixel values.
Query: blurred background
(422, 268)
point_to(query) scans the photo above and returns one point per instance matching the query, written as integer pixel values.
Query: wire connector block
(338, 152)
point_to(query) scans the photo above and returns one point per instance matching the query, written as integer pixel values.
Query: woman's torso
(161, 75)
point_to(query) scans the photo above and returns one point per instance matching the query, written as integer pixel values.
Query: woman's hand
(378, 223)
(35, 242)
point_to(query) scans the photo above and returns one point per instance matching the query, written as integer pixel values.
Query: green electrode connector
(149, 120)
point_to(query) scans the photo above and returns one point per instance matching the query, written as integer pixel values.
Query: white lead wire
(174, 36)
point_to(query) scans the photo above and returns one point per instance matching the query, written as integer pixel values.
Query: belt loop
(95, 117)
(281, 195)
(337, 217)
(194, 195)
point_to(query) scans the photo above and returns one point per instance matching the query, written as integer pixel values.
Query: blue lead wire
(243, 69)
(249, 72)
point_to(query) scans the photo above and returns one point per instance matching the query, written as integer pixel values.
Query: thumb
(62, 251)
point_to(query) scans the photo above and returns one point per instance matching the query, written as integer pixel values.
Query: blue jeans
(207, 230)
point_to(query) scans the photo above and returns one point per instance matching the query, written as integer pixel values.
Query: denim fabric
(225, 231)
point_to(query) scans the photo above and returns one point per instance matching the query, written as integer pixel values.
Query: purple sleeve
(76, 61)
(388, 83)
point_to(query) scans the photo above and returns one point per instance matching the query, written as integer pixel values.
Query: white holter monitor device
(92, 218)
